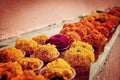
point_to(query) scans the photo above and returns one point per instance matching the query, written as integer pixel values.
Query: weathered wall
(111, 70)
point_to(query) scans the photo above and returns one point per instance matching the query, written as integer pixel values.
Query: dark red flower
(60, 41)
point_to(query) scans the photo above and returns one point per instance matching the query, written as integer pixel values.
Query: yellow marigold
(94, 16)
(57, 73)
(29, 75)
(81, 44)
(30, 63)
(58, 69)
(97, 16)
(9, 70)
(26, 45)
(41, 39)
(46, 52)
(79, 56)
(10, 54)
(58, 63)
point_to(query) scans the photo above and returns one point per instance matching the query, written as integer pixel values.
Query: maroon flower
(60, 40)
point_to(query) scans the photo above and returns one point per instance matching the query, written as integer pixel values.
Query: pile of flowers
(77, 44)
(95, 29)
(46, 52)
(41, 39)
(58, 69)
(30, 63)
(60, 41)
(13, 71)
(10, 54)
(26, 45)
(79, 54)
(115, 11)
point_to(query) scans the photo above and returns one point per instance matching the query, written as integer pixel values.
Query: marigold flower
(114, 11)
(46, 52)
(30, 63)
(10, 54)
(72, 36)
(96, 39)
(58, 69)
(26, 45)
(96, 23)
(70, 25)
(103, 30)
(41, 39)
(81, 44)
(87, 23)
(79, 56)
(9, 70)
(108, 25)
(29, 75)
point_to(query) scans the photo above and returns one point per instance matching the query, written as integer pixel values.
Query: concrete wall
(111, 70)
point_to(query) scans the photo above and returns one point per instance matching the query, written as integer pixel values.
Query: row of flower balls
(82, 40)
(77, 41)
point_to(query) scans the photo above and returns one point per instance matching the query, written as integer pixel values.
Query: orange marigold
(29, 75)
(10, 54)
(103, 30)
(72, 36)
(87, 23)
(96, 39)
(9, 70)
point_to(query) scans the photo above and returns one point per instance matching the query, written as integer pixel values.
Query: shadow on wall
(20, 16)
